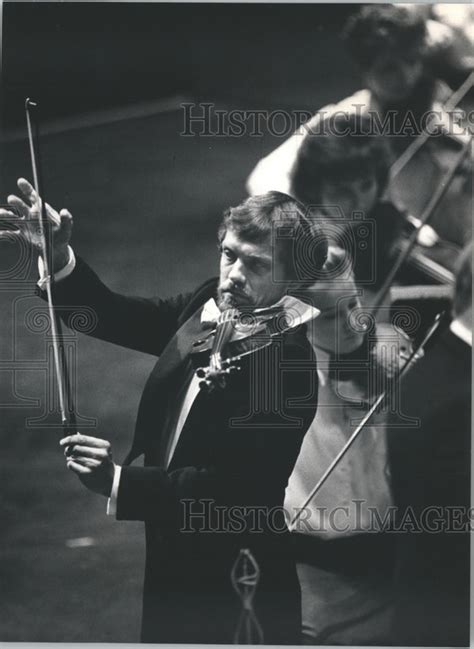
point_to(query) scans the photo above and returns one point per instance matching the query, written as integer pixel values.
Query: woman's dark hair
(376, 28)
(344, 147)
(297, 239)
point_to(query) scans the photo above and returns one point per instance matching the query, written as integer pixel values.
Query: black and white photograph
(236, 323)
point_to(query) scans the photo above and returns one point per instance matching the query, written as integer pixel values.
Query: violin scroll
(236, 334)
(215, 374)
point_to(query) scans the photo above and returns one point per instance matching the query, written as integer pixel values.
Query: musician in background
(345, 563)
(401, 91)
(344, 171)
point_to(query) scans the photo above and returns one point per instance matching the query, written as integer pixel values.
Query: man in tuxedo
(216, 462)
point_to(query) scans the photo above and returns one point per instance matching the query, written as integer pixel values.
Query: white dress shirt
(61, 274)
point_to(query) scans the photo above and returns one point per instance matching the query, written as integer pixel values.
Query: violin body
(376, 362)
(236, 334)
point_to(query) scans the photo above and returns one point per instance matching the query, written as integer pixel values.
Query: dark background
(81, 56)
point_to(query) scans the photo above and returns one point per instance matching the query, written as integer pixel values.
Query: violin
(424, 218)
(236, 334)
(435, 267)
(216, 372)
(380, 359)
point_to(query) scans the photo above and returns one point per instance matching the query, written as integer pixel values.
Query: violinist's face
(334, 329)
(393, 77)
(247, 272)
(356, 195)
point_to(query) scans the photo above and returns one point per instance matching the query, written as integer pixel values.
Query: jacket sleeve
(253, 453)
(85, 304)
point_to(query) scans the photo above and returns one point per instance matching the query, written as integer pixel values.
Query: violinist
(345, 564)
(212, 457)
(345, 176)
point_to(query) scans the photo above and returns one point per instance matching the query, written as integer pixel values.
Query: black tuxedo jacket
(224, 488)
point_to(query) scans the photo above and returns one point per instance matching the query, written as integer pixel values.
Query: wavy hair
(376, 28)
(284, 221)
(345, 147)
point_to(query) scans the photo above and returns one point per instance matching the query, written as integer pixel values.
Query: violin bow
(66, 404)
(418, 142)
(245, 576)
(433, 203)
(376, 404)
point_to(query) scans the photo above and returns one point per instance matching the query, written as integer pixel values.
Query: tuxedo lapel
(163, 388)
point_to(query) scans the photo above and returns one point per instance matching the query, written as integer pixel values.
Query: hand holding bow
(25, 216)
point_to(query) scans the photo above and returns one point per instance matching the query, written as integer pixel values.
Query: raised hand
(24, 214)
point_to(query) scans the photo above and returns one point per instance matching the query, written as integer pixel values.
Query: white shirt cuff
(61, 274)
(112, 501)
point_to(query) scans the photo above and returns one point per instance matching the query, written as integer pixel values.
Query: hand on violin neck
(24, 215)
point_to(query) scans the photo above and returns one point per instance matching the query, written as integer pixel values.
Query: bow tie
(297, 311)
